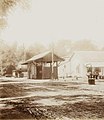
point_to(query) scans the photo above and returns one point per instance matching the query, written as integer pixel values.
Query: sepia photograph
(52, 59)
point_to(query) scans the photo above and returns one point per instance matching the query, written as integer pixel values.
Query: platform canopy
(95, 64)
(44, 57)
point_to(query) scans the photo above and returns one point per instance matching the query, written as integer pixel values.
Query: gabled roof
(95, 58)
(90, 56)
(44, 57)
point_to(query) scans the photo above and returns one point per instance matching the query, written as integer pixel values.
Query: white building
(77, 64)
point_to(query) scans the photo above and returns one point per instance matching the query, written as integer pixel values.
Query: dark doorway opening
(39, 72)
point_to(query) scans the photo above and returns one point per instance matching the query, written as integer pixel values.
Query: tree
(62, 47)
(84, 45)
(35, 49)
(66, 47)
(8, 54)
(6, 6)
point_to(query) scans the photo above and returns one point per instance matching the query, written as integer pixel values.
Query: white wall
(74, 67)
(77, 66)
(64, 69)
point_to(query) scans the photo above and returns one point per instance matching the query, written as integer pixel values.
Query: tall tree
(35, 49)
(84, 45)
(7, 54)
(62, 47)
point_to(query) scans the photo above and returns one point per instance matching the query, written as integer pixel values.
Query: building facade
(78, 63)
(43, 66)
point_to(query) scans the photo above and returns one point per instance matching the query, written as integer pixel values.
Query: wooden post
(24, 54)
(57, 70)
(43, 70)
(52, 76)
(28, 68)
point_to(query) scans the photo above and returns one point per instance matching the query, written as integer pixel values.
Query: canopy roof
(95, 64)
(44, 57)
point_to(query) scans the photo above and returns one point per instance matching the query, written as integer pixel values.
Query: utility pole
(1, 64)
(24, 54)
(52, 51)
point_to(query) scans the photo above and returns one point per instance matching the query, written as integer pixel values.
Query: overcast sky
(51, 20)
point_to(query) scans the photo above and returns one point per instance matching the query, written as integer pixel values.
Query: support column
(56, 70)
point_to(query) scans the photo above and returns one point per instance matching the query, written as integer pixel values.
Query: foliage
(66, 47)
(84, 45)
(8, 54)
(62, 47)
(16, 54)
(6, 6)
(35, 49)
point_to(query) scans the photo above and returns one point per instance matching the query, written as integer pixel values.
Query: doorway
(39, 72)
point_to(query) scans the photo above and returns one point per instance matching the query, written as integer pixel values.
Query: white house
(64, 68)
(77, 64)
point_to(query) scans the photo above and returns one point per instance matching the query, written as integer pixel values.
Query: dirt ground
(67, 99)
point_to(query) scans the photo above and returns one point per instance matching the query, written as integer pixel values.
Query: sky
(52, 20)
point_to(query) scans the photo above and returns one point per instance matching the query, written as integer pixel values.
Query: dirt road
(47, 99)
